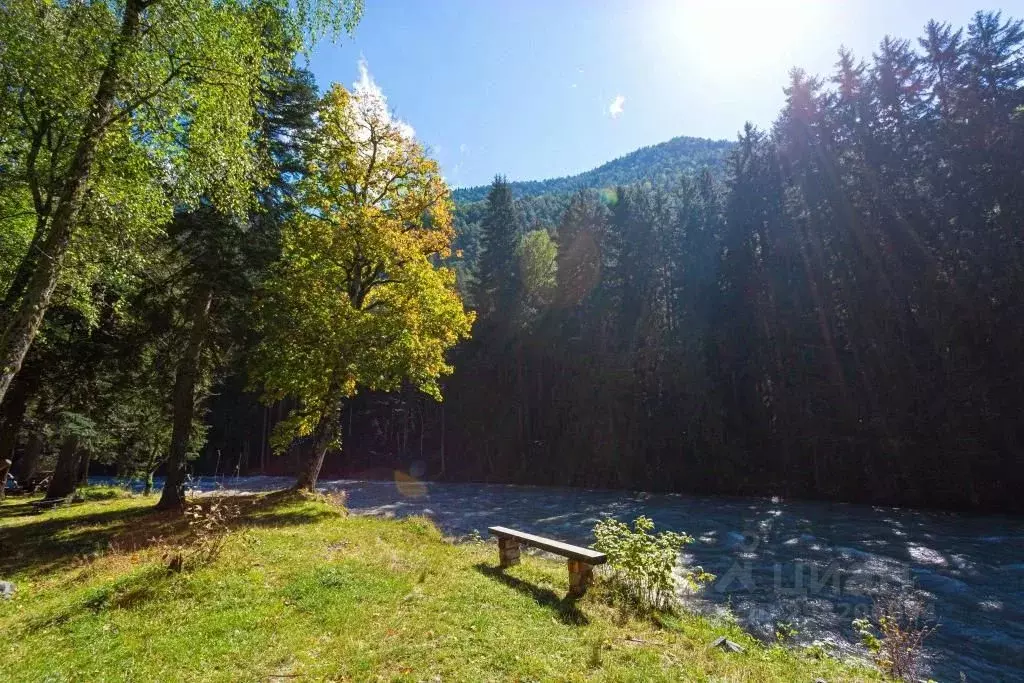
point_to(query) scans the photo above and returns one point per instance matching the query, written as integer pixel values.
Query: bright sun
(737, 37)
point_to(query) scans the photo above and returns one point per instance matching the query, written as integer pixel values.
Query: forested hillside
(660, 164)
(541, 203)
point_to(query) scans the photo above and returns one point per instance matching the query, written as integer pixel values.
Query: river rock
(6, 590)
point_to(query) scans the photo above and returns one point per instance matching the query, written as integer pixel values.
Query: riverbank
(303, 591)
(812, 566)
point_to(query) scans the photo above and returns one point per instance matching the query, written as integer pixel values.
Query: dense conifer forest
(834, 312)
(829, 308)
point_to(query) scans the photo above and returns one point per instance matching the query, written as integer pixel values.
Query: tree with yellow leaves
(358, 299)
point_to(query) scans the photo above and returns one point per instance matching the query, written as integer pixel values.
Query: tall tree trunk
(443, 471)
(65, 476)
(325, 433)
(173, 495)
(23, 272)
(83, 468)
(263, 442)
(23, 324)
(11, 421)
(27, 465)
(5, 467)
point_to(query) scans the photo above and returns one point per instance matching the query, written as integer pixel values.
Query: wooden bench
(581, 560)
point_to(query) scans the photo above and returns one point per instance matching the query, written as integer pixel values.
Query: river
(812, 565)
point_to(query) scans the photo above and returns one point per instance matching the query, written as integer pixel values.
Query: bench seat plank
(574, 552)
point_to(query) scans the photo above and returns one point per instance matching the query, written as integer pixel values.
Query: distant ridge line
(658, 162)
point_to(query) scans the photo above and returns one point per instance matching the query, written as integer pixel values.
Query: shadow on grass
(19, 509)
(55, 542)
(24, 504)
(263, 510)
(52, 542)
(125, 592)
(564, 607)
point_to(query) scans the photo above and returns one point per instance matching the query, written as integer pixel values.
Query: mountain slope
(657, 163)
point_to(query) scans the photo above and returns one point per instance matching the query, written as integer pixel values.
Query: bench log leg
(580, 576)
(508, 552)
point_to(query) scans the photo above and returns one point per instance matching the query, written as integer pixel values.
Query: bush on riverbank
(895, 635)
(642, 564)
(300, 590)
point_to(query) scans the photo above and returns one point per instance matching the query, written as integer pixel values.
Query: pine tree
(579, 260)
(497, 287)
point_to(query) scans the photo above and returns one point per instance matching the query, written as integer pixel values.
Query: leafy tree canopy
(357, 300)
(115, 112)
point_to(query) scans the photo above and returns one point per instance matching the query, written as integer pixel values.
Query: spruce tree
(498, 275)
(579, 249)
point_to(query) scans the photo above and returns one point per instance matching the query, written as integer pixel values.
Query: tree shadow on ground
(55, 541)
(564, 607)
(264, 510)
(124, 592)
(20, 509)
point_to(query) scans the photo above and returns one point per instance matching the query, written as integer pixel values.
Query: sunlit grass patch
(304, 591)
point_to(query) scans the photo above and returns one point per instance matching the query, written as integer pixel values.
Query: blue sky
(536, 89)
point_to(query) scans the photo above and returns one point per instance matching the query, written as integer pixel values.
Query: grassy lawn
(302, 591)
